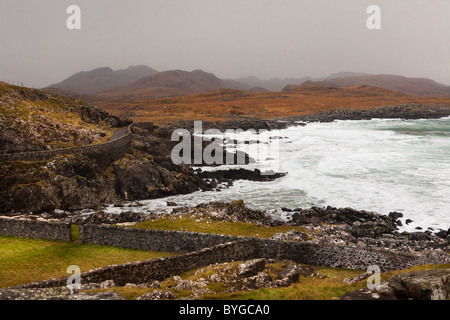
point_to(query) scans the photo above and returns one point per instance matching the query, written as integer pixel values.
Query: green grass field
(220, 227)
(24, 260)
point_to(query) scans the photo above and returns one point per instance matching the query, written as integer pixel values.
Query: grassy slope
(24, 260)
(33, 113)
(208, 226)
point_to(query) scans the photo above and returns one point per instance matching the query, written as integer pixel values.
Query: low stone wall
(114, 149)
(203, 249)
(35, 229)
(337, 256)
(244, 249)
(307, 253)
(149, 239)
(159, 268)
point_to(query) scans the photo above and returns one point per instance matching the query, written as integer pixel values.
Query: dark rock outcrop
(240, 174)
(416, 285)
(138, 179)
(403, 111)
(76, 182)
(350, 227)
(361, 223)
(234, 211)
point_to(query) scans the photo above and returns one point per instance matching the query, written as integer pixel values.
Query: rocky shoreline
(59, 189)
(350, 227)
(407, 111)
(75, 182)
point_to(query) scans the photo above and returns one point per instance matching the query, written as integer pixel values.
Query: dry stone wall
(35, 229)
(337, 256)
(159, 268)
(149, 239)
(301, 252)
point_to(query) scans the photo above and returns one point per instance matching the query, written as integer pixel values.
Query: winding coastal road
(119, 133)
(47, 154)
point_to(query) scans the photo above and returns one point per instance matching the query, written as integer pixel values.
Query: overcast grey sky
(230, 38)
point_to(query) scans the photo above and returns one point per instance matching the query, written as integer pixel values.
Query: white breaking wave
(375, 165)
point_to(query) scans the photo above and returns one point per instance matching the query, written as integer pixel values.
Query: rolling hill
(174, 83)
(102, 79)
(416, 86)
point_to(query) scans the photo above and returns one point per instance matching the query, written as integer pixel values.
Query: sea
(380, 165)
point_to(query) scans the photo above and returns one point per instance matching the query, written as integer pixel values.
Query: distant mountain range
(102, 79)
(146, 83)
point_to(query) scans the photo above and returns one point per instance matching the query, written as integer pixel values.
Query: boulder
(395, 215)
(442, 234)
(240, 174)
(418, 236)
(251, 267)
(360, 223)
(416, 285)
(261, 280)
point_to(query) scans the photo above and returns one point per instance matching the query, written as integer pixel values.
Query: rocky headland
(75, 181)
(406, 111)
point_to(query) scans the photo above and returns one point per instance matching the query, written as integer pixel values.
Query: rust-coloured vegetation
(227, 104)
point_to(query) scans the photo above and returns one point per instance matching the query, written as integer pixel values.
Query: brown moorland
(231, 104)
(416, 86)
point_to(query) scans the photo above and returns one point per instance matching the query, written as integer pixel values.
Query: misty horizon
(318, 78)
(324, 77)
(230, 39)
